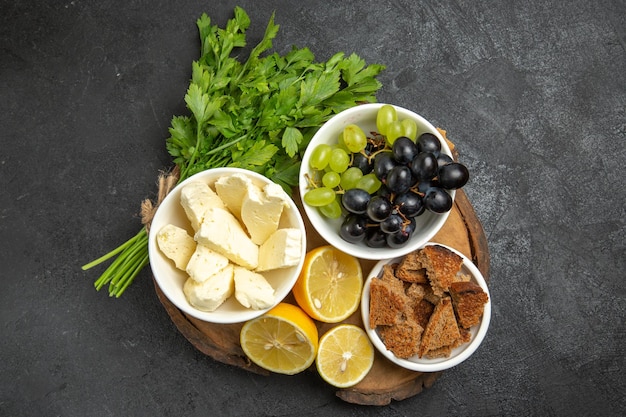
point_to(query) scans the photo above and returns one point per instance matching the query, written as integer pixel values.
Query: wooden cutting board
(386, 381)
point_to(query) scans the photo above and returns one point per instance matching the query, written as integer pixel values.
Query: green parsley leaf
(292, 137)
(259, 154)
(263, 111)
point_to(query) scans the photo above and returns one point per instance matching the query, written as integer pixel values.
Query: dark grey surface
(533, 93)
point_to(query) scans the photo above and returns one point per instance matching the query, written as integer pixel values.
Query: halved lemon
(329, 286)
(345, 355)
(283, 340)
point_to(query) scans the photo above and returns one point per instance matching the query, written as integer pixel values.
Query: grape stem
(311, 183)
(373, 154)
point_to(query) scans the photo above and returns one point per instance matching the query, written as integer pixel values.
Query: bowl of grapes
(378, 181)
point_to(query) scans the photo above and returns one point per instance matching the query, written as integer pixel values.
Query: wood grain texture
(386, 381)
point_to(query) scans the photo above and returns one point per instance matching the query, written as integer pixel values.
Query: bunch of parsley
(261, 114)
(258, 115)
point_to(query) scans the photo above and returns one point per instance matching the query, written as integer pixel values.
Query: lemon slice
(283, 340)
(329, 286)
(345, 356)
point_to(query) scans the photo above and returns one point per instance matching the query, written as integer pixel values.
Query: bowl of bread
(428, 310)
(226, 245)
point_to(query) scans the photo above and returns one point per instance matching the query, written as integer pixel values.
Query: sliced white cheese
(176, 244)
(221, 232)
(211, 293)
(232, 189)
(261, 211)
(252, 290)
(282, 249)
(196, 197)
(204, 263)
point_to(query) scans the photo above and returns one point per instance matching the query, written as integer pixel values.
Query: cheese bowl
(475, 333)
(364, 116)
(171, 278)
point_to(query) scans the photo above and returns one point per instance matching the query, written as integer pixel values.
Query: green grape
(369, 183)
(354, 138)
(409, 129)
(320, 156)
(394, 131)
(384, 117)
(350, 177)
(327, 169)
(318, 197)
(331, 210)
(340, 143)
(331, 179)
(339, 160)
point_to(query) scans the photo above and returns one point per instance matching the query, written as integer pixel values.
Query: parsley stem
(192, 158)
(144, 261)
(113, 252)
(227, 144)
(130, 268)
(134, 252)
(131, 253)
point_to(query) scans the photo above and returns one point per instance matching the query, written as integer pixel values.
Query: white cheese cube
(282, 249)
(211, 293)
(261, 211)
(232, 189)
(196, 197)
(252, 290)
(221, 232)
(176, 244)
(204, 263)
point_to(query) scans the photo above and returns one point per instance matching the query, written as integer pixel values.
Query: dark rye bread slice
(442, 266)
(403, 338)
(469, 300)
(441, 331)
(422, 310)
(411, 270)
(387, 299)
(421, 307)
(392, 314)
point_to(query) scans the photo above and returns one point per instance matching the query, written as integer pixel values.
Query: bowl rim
(360, 250)
(463, 352)
(182, 304)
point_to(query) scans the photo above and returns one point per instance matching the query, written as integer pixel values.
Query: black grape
(362, 162)
(392, 224)
(409, 227)
(443, 159)
(375, 238)
(383, 163)
(424, 166)
(438, 200)
(355, 200)
(409, 204)
(353, 228)
(379, 208)
(398, 240)
(404, 150)
(427, 142)
(399, 179)
(453, 175)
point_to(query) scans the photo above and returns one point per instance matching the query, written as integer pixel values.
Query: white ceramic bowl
(415, 363)
(171, 280)
(428, 224)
